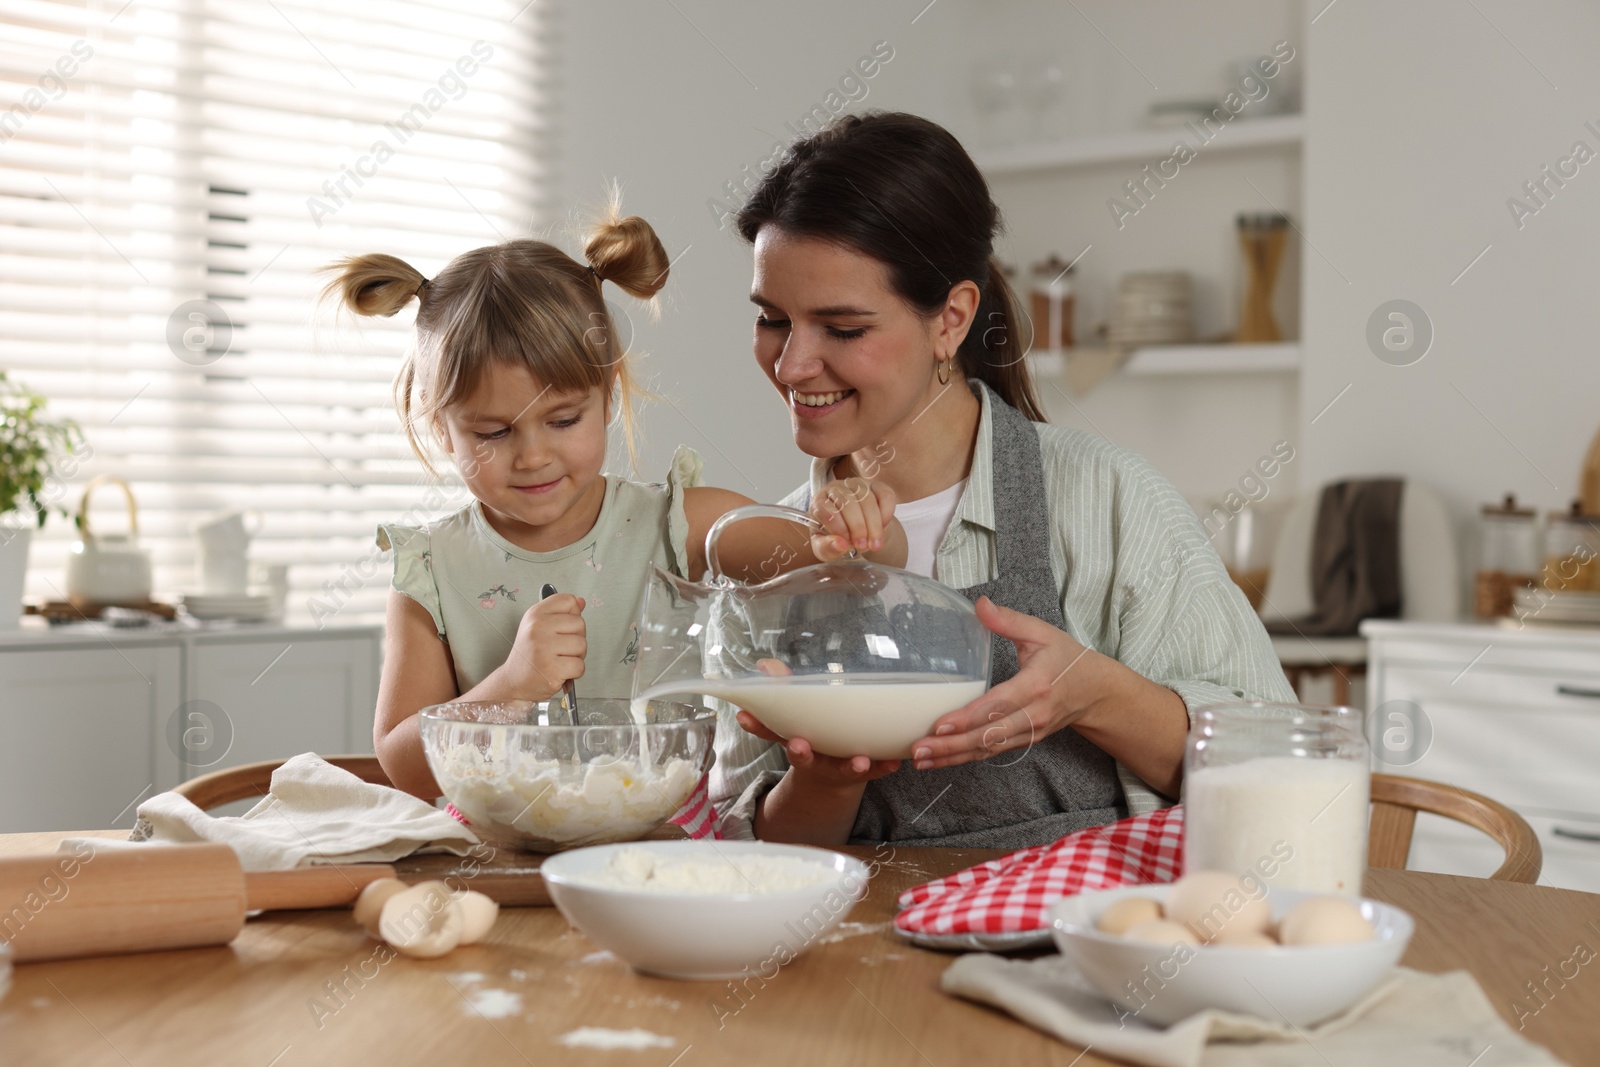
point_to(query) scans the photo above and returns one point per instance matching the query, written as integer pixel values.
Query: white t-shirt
(925, 523)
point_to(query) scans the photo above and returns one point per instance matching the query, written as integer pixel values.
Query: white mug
(228, 531)
(274, 579)
(224, 573)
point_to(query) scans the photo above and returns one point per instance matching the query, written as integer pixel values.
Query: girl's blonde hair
(523, 303)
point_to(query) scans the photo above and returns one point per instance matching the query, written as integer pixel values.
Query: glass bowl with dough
(527, 783)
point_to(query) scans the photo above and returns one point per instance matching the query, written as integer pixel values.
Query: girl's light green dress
(476, 585)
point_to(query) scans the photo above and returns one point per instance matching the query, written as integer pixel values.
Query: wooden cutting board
(509, 878)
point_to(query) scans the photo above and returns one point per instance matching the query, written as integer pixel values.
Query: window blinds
(172, 174)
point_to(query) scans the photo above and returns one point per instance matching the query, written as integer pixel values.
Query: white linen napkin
(1411, 1020)
(314, 813)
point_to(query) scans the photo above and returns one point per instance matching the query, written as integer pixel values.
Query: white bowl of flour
(526, 783)
(705, 909)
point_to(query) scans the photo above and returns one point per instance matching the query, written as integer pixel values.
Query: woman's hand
(817, 800)
(816, 772)
(1056, 685)
(1060, 683)
(858, 515)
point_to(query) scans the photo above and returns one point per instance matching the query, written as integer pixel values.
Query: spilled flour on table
(490, 1003)
(495, 1003)
(847, 930)
(598, 957)
(599, 1037)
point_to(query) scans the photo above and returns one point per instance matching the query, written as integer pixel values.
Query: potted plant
(31, 447)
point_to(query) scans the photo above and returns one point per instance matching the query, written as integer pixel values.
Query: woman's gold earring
(944, 371)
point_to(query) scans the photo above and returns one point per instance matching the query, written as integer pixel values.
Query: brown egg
(1324, 921)
(1162, 932)
(1127, 913)
(369, 905)
(421, 921)
(478, 914)
(1214, 905)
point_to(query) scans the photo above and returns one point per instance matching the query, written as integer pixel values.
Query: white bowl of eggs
(1212, 940)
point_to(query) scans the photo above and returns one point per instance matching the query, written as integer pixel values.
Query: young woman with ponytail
(515, 373)
(897, 346)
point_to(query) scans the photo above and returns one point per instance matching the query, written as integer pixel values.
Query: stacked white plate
(1544, 605)
(248, 607)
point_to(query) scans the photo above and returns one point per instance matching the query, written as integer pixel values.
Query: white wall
(675, 104)
(1423, 120)
(651, 101)
(1204, 432)
(1425, 117)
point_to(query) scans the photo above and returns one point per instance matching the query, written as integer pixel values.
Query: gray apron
(1021, 797)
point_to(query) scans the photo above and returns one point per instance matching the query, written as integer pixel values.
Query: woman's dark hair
(902, 190)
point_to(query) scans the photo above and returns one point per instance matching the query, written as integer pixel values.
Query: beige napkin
(314, 813)
(1412, 1020)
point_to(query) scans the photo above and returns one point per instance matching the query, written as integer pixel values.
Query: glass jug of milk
(1278, 792)
(856, 657)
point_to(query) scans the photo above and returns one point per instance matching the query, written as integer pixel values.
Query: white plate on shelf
(227, 606)
(1558, 607)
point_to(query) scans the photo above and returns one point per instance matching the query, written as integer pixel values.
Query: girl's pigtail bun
(627, 253)
(375, 284)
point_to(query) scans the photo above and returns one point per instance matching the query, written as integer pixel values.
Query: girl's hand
(817, 772)
(1057, 683)
(857, 514)
(549, 649)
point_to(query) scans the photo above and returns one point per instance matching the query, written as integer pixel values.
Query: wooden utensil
(103, 902)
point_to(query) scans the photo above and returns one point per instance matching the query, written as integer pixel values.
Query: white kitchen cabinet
(281, 696)
(81, 733)
(1511, 714)
(94, 719)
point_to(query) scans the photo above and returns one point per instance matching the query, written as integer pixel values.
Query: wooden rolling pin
(103, 902)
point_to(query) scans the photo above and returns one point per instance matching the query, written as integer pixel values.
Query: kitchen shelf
(1143, 146)
(1153, 360)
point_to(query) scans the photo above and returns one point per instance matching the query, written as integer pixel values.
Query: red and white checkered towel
(1013, 894)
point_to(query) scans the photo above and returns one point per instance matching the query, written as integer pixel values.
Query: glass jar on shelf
(1051, 303)
(1572, 552)
(1509, 556)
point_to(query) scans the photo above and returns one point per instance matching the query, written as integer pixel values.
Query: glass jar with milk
(1279, 791)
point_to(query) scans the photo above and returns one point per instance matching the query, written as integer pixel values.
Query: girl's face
(853, 361)
(531, 455)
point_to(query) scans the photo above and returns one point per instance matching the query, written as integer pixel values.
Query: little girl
(516, 372)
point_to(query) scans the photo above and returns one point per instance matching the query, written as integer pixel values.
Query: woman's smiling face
(853, 361)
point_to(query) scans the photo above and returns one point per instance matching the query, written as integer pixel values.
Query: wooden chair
(1396, 801)
(252, 780)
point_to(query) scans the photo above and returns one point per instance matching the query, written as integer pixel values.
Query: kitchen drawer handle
(1577, 691)
(1576, 835)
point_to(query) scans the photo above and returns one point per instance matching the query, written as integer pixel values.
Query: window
(172, 174)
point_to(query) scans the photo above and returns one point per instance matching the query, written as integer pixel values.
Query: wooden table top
(310, 988)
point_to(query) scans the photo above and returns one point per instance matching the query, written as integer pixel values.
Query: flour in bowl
(637, 868)
(565, 803)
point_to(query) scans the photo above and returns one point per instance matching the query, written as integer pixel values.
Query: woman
(895, 341)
